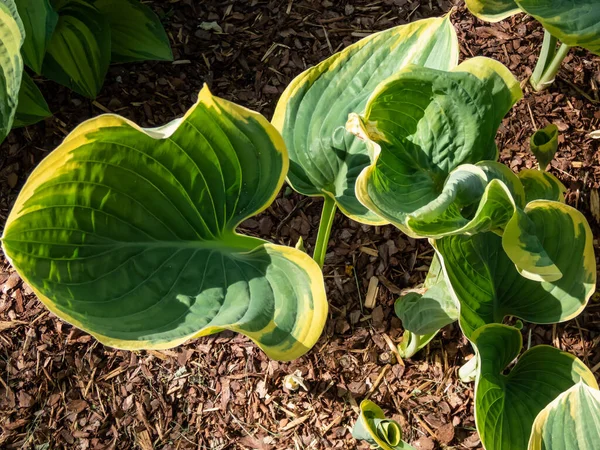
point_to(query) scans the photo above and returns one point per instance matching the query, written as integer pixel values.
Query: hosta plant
(130, 234)
(573, 23)
(325, 160)
(72, 42)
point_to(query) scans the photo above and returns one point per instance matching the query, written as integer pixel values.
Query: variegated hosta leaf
(540, 185)
(324, 159)
(493, 10)
(575, 23)
(32, 106)
(570, 422)
(421, 124)
(543, 144)
(412, 343)
(487, 285)
(11, 64)
(507, 405)
(129, 234)
(136, 32)
(374, 428)
(78, 54)
(428, 312)
(39, 20)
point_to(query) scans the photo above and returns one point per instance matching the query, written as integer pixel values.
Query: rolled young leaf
(32, 106)
(420, 125)
(544, 144)
(506, 406)
(78, 54)
(324, 159)
(136, 32)
(487, 286)
(129, 234)
(374, 428)
(11, 64)
(39, 21)
(570, 422)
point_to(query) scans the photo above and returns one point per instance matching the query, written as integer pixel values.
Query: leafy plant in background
(11, 64)
(72, 42)
(129, 234)
(573, 23)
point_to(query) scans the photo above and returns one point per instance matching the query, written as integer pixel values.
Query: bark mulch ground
(59, 388)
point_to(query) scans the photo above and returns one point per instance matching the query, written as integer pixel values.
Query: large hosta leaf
(39, 20)
(570, 422)
(540, 185)
(507, 405)
(129, 234)
(420, 125)
(11, 64)
(325, 160)
(136, 32)
(576, 23)
(488, 286)
(78, 54)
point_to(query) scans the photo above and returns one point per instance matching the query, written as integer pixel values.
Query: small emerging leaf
(544, 144)
(374, 428)
(493, 10)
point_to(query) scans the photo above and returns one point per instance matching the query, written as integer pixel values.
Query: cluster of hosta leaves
(422, 156)
(72, 42)
(130, 234)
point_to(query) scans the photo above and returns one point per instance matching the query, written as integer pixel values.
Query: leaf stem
(327, 216)
(548, 63)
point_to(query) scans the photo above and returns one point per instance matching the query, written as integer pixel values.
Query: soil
(59, 388)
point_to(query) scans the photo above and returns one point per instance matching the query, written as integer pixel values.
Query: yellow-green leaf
(493, 10)
(570, 422)
(326, 160)
(373, 427)
(506, 406)
(130, 234)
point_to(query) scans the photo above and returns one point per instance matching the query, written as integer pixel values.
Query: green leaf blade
(39, 20)
(325, 160)
(130, 235)
(506, 406)
(136, 31)
(32, 107)
(78, 54)
(493, 10)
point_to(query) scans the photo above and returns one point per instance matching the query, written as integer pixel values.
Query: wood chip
(372, 291)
